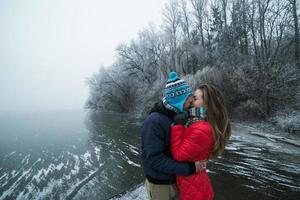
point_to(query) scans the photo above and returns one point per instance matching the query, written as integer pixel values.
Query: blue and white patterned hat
(176, 91)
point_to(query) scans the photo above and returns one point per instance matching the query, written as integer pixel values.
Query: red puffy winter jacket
(192, 144)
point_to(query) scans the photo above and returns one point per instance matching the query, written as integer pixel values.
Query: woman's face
(198, 98)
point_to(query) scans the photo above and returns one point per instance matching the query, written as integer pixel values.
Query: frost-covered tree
(247, 48)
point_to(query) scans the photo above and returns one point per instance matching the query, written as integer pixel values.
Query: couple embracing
(179, 135)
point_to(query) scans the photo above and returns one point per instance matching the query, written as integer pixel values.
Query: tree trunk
(245, 29)
(224, 7)
(296, 27)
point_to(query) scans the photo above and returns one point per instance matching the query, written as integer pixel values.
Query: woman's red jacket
(193, 144)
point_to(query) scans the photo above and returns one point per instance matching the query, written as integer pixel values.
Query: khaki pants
(161, 192)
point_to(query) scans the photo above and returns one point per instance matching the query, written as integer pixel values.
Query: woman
(205, 135)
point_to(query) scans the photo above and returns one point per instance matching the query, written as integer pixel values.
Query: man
(160, 169)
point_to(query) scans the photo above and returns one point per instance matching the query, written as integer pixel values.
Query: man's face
(188, 103)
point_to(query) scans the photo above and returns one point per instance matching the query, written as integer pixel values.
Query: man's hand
(200, 165)
(181, 118)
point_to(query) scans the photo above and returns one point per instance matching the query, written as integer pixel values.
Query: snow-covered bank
(286, 122)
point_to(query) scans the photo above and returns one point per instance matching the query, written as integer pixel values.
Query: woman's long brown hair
(217, 116)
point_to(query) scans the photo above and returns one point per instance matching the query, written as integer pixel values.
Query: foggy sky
(49, 47)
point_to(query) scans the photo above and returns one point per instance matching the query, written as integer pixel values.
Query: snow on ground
(138, 193)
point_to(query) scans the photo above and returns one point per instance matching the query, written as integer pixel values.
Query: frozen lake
(65, 154)
(76, 155)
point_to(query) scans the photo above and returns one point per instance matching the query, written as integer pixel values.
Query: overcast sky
(49, 47)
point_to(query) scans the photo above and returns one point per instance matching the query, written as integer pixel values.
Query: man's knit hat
(176, 91)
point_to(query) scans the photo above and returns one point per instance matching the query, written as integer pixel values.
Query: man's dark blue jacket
(159, 167)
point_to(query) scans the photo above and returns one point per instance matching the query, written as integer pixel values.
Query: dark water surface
(256, 168)
(79, 155)
(66, 154)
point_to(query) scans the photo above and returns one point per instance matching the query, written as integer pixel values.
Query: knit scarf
(196, 114)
